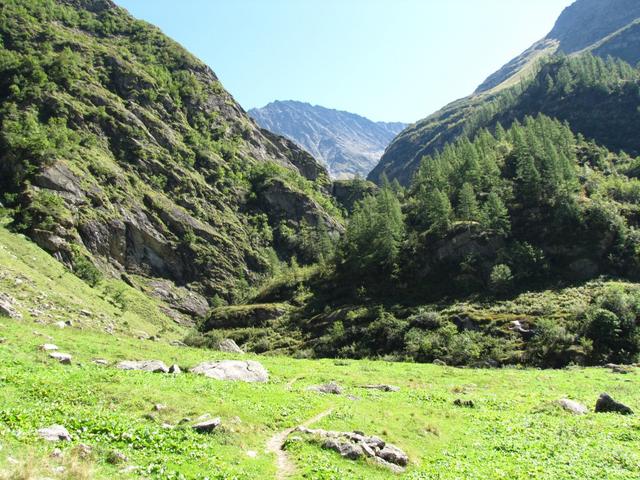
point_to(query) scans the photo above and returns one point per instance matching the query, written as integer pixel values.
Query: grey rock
(48, 347)
(439, 362)
(207, 426)
(175, 369)
(382, 388)
(245, 371)
(63, 358)
(7, 307)
(345, 449)
(331, 388)
(55, 433)
(229, 346)
(573, 406)
(606, 404)
(101, 361)
(393, 454)
(154, 366)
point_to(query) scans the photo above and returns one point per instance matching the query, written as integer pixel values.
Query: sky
(388, 60)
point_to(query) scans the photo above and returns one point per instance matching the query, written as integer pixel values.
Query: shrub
(501, 279)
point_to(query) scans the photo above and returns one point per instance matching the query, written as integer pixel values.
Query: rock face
(601, 27)
(55, 433)
(606, 404)
(354, 445)
(245, 371)
(156, 194)
(347, 144)
(573, 406)
(153, 366)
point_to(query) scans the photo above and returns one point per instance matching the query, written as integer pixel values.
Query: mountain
(601, 28)
(121, 154)
(347, 144)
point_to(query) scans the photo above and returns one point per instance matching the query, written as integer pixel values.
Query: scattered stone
(622, 369)
(86, 313)
(166, 426)
(439, 363)
(329, 388)
(607, 404)
(207, 426)
(116, 458)
(60, 324)
(129, 469)
(63, 358)
(252, 453)
(153, 366)
(55, 433)
(175, 369)
(245, 371)
(353, 445)
(382, 388)
(101, 361)
(573, 406)
(3, 340)
(458, 402)
(184, 420)
(159, 407)
(229, 346)
(48, 347)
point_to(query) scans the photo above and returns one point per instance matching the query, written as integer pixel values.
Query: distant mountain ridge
(599, 27)
(348, 144)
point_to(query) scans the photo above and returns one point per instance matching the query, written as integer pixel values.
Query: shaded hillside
(348, 144)
(119, 149)
(598, 27)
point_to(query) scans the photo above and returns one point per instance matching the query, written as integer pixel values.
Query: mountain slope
(121, 150)
(346, 143)
(598, 27)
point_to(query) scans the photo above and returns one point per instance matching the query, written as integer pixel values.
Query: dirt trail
(284, 466)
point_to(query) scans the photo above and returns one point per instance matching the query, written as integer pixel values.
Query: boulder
(207, 426)
(392, 454)
(607, 404)
(345, 449)
(7, 309)
(63, 358)
(245, 371)
(153, 366)
(229, 346)
(330, 388)
(175, 369)
(48, 347)
(573, 406)
(55, 433)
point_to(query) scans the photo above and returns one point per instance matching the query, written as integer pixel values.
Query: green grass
(514, 431)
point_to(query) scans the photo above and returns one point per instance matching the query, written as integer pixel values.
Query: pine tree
(495, 216)
(467, 204)
(439, 212)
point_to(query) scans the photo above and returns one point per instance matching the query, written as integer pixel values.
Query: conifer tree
(467, 204)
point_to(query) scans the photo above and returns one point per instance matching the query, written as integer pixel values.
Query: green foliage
(501, 279)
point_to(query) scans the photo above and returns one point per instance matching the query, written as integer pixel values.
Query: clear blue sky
(393, 60)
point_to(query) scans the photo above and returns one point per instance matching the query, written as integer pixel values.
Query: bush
(501, 279)
(84, 269)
